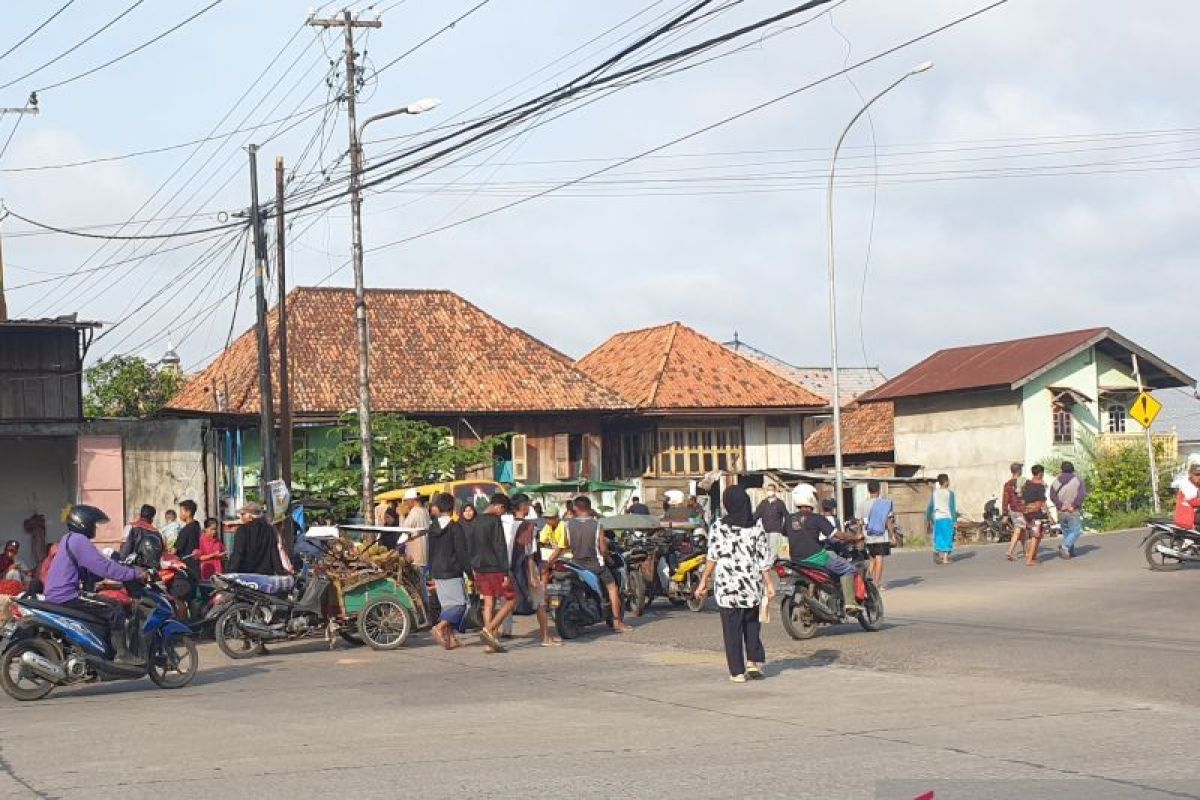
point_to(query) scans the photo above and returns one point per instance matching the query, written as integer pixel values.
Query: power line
(11, 134)
(121, 237)
(75, 46)
(35, 31)
(137, 49)
(432, 36)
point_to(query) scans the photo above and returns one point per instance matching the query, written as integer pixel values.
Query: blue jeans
(1072, 529)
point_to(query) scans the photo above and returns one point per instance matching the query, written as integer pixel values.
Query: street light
(833, 333)
(360, 300)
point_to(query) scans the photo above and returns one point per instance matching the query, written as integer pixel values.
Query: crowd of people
(1028, 505)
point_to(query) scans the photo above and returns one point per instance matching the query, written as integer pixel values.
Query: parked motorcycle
(577, 599)
(811, 596)
(997, 527)
(1168, 547)
(691, 550)
(48, 645)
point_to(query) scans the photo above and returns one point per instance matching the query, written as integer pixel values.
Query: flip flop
(552, 643)
(754, 673)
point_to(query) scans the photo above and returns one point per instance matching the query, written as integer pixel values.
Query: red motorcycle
(811, 596)
(170, 567)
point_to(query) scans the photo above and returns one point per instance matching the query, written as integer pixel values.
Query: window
(1064, 424)
(695, 451)
(1117, 414)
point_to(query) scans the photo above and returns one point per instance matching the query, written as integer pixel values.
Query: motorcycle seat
(66, 611)
(798, 565)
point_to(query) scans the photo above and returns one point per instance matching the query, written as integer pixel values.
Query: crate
(356, 599)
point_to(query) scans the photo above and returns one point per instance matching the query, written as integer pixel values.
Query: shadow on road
(913, 580)
(1084, 549)
(820, 658)
(962, 556)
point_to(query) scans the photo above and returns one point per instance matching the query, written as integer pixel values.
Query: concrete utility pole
(347, 23)
(1137, 373)
(285, 386)
(30, 108)
(266, 424)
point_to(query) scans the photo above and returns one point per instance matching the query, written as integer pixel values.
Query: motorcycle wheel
(797, 620)
(693, 603)
(175, 664)
(564, 622)
(1161, 562)
(18, 682)
(230, 638)
(871, 615)
(636, 594)
(385, 624)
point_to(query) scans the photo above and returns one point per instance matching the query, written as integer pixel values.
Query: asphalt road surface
(992, 680)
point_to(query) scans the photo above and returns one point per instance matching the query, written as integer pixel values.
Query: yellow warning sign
(1144, 409)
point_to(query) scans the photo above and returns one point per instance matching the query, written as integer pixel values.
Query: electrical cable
(75, 46)
(11, 134)
(129, 53)
(121, 237)
(36, 30)
(432, 36)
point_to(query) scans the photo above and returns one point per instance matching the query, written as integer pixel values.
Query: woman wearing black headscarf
(739, 558)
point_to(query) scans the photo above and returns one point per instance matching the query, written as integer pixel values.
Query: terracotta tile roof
(867, 428)
(819, 380)
(674, 367)
(983, 366)
(488, 366)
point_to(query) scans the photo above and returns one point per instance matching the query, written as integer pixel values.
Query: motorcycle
(1168, 547)
(997, 527)
(641, 584)
(578, 598)
(691, 550)
(811, 596)
(48, 645)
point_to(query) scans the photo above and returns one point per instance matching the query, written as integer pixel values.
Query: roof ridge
(656, 384)
(1092, 330)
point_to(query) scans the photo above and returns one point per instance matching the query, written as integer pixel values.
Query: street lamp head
(924, 66)
(423, 105)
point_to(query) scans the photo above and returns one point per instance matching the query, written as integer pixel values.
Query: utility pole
(347, 23)
(285, 386)
(3, 302)
(1157, 503)
(266, 425)
(31, 107)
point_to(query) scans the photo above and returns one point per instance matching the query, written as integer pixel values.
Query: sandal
(754, 673)
(439, 636)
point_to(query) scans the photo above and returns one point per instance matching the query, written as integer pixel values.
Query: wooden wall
(39, 374)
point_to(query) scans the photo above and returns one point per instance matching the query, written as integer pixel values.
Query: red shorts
(495, 584)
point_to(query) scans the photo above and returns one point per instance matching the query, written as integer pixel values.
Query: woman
(447, 563)
(740, 559)
(941, 513)
(212, 551)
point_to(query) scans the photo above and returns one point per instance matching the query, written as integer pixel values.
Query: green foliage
(406, 453)
(1124, 520)
(128, 386)
(1118, 482)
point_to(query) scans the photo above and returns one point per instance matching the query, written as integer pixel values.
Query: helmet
(84, 519)
(149, 550)
(804, 495)
(12, 544)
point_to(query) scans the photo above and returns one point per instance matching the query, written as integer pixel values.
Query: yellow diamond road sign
(1144, 409)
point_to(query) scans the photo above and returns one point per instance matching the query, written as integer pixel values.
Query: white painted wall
(36, 475)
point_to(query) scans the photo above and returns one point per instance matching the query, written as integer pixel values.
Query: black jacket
(773, 515)
(256, 549)
(188, 542)
(448, 556)
(487, 549)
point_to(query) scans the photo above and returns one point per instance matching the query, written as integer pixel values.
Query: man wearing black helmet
(77, 557)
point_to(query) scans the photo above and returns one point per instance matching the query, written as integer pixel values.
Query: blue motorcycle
(47, 645)
(577, 597)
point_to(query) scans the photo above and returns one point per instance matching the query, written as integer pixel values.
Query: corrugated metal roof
(984, 366)
(819, 380)
(1180, 414)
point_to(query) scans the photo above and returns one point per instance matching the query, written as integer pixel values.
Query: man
(530, 578)
(417, 519)
(636, 506)
(772, 513)
(1187, 502)
(490, 563)
(171, 530)
(806, 530)
(10, 567)
(879, 529)
(1033, 499)
(256, 546)
(448, 561)
(187, 547)
(553, 534)
(1012, 505)
(77, 558)
(1068, 493)
(590, 551)
(696, 511)
(140, 529)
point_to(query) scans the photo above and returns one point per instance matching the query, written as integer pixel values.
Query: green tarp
(572, 486)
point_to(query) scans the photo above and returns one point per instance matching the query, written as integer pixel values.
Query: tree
(406, 453)
(128, 386)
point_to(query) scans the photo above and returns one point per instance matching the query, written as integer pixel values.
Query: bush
(1118, 483)
(1123, 520)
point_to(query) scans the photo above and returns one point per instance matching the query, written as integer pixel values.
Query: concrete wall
(1077, 373)
(164, 464)
(972, 437)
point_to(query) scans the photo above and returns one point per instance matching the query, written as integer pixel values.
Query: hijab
(738, 510)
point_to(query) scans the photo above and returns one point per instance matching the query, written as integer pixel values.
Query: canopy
(632, 522)
(573, 486)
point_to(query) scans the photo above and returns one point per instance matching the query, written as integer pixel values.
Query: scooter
(811, 596)
(578, 598)
(1168, 547)
(48, 645)
(692, 552)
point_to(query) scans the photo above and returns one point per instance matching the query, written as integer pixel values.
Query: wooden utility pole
(3, 302)
(347, 23)
(285, 386)
(266, 423)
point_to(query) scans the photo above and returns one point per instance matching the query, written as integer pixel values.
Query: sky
(1039, 178)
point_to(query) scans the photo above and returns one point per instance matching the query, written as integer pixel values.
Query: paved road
(1058, 696)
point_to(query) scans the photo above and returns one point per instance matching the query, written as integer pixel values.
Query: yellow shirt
(555, 536)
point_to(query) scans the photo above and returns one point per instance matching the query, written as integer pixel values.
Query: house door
(101, 483)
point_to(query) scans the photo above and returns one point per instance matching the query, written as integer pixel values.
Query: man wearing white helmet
(806, 531)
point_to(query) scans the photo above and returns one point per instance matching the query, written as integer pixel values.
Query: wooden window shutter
(520, 457)
(562, 455)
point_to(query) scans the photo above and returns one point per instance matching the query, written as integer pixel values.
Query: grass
(1120, 520)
